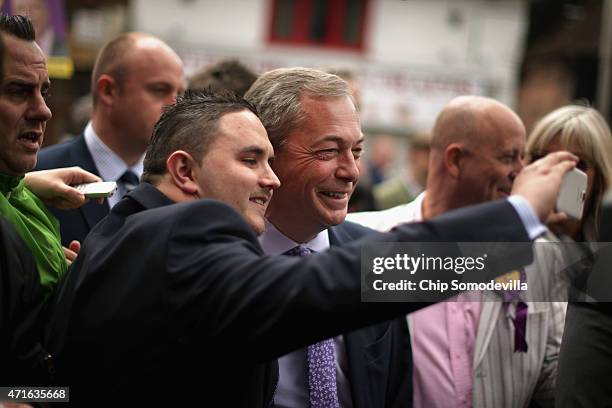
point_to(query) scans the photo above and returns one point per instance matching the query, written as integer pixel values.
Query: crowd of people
(226, 270)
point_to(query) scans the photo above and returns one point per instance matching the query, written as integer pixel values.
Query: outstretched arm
(54, 187)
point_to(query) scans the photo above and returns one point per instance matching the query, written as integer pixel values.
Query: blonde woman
(583, 131)
(585, 363)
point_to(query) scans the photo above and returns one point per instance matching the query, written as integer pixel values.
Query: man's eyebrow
(340, 141)
(257, 150)
(253, 149)
(18, 81)
(159, 84)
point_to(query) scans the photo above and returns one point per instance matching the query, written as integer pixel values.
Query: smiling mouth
(334, 194)
(263, 201)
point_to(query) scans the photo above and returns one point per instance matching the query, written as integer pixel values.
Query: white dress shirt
(292, 389)
(110, 166)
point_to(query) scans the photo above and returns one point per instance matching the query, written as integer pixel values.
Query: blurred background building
(407, 57)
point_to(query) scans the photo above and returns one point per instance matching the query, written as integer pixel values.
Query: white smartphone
(573, 193)
(99, 189)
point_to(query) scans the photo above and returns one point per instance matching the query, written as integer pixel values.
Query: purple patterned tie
(321, 360)
(520, 327)
(520, 315)
(299, 250)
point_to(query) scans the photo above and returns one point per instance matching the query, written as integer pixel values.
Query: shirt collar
(110, 166)
(418, 206)
(9, 183)
(275, 242)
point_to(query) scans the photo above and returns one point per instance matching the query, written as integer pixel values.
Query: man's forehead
(245, 128)
(328, 119)
(499, 143)
(150, 50)
(514, 139)
(23, 56)
(158, 71)
(340, 140)
(503, 132)
(310, 103)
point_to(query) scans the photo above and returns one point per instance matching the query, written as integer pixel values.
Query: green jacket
(36, 226)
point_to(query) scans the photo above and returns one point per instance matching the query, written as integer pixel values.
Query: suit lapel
(92, 212)
(488, 320)
(79, 154)
(337, 236)
(354, 342)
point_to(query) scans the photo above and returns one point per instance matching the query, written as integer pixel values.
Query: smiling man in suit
(314, 127)
(201, 314)
(134, 77)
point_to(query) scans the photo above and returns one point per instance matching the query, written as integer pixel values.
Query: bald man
(467, 353)
(134, 77)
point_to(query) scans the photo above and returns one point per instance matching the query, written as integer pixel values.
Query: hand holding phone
(573, 193)
(102, 189)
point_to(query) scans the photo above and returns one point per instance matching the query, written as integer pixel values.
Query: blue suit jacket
(379, 356)
(74, 224)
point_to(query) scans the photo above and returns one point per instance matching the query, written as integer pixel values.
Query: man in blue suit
(317, 162)
(134, 77)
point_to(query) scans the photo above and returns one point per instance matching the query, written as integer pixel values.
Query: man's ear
(454, 155)
(107, 88)
(181, 167)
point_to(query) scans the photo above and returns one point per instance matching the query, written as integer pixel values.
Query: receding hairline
(114, 58)
(4, 35)
(462, 120)
(279, 96)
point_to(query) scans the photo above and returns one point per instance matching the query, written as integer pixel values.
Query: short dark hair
(111, 60)
(190, 125)
(17, 26)
(229, 74)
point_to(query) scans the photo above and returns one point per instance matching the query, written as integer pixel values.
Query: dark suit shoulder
(216, 216)
(348, 231)
(356, 230)
(53, 154)
(70, 153)
(212, 213)
(75, 223)
(143, 214)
